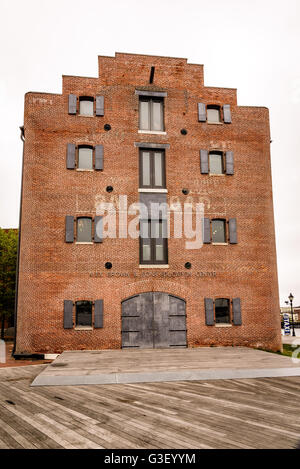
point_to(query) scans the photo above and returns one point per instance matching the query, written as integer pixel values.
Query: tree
(8, 261)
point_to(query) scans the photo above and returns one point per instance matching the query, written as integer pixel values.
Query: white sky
(251, 45)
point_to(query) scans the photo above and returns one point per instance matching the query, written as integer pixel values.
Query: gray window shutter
(98, 229)
(99, 157)
(71, 148)
(68, 314)
(206, 231)
(99, 105)
(72, 103)
(232, 231)
(236, 310)
(227, 113)
(201, 112)
(204, 161)
(98, 314)
(69, 229)
(229, 162)
(209, 311)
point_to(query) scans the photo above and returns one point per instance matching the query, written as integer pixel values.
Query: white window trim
(164, 191)
(84, 242)
(83, 328)
(153, 266)
(223, 325)
(153, 132)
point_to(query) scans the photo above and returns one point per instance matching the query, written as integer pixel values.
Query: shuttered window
(83, 313)
(84, 230)
(218, 231)
(86, 106)
(151, 114)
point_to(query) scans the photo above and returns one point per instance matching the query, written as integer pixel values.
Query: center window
(153, 242)
(151, 114)
(152, 169)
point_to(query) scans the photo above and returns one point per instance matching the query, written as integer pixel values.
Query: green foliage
(8, 261)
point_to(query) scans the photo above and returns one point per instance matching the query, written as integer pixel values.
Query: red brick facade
(52, 270)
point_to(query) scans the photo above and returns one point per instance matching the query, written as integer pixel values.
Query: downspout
(22, 136)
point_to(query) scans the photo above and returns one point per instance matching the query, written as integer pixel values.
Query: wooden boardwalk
(246, 413)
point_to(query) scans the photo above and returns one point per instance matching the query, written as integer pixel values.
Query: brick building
(146, 130)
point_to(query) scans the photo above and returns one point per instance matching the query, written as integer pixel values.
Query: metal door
(153, 320)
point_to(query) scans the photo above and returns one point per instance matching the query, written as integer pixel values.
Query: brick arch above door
(172, 287)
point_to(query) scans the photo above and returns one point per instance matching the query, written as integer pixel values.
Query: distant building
(287, 309)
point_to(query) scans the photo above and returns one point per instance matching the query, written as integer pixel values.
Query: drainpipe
(22, 136)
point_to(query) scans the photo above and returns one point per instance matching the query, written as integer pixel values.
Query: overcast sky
(251, 45)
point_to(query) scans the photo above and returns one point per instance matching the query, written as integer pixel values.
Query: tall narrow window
(84, 230)
(213, 114)
(222, 311)
(83, 313)
(216, 162)
(218, 231)
(86, 106)
(153, 242)
(151, 114)
(85, 157)
(152, 169)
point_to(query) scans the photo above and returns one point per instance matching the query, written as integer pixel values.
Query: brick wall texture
(52, 270)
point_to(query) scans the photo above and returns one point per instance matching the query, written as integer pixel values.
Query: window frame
(225, 230)
(230, 317)
(150, 100)
(152, 152)
(87, 98)
(153, 244)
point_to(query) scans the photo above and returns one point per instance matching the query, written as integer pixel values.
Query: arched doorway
(153, 320)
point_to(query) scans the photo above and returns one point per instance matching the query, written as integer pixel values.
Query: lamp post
(291, 302)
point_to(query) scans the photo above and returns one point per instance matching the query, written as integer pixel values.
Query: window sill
(215, 123)
(83, 115)
(165, 191)
(153, 132)
(219, 244)
(223, 325)
(83, 328)
(153, 266)
(87, 170)
(212, 174)
(81, 242)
